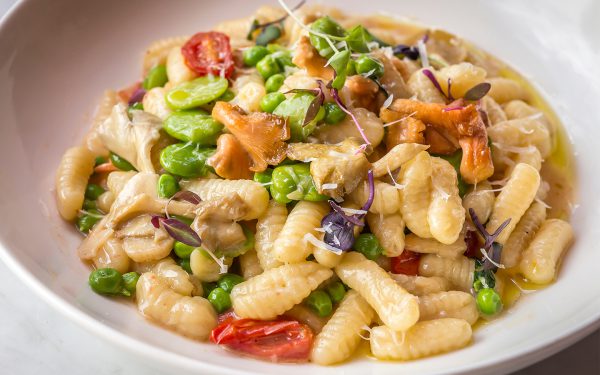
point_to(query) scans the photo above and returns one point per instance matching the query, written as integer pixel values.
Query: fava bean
(197, 92)
(294, 182)
(196, 126)
(294, 109)
(274, 82)
(253, 55)
(185, 159)
(156, 77)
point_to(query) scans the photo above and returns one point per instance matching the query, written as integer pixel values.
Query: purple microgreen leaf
(410, 52)
(188, 196)
(339, 232)
(492, 237)
(478, 91)
(314, 107)
(354, 219)
(425, 38)
(369, 201)
(338, 100)
(156, 221)
(306, 91)
(181, 232)
(473, 244)
(495, 255)
(429, 74)
(493, 249)
(137, 96)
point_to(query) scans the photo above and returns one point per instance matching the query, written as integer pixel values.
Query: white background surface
(35, 339)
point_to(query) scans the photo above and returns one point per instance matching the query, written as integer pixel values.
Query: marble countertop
(34, 338)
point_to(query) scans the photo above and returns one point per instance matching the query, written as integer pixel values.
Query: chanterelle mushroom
(230, 161)
(131, 139)
(336, 169)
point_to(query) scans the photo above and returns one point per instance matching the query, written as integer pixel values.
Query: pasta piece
(308, 316)
(154, 102)
(142, 242)
(254, 194)
(523, 234)
(397, 156)
(249, 90)
(446, 214)
(462, 76)
(530, 156)
(417, 244)
(193, 317)
(326, 257)
(459, 271)
(423, 339)
(481, 199)
(453, 304)
(389, 230)
(249, 265)
(424, 88)
(397, 308)
(204, 267)
(92, 139)
(421, 285)
(112, 255)
(514, 199)
(268, 227)
(175, 276)
(540, 259)
(386, 200)
(494, 111)
(157, 52)
(415, 178)
(516, 135)
(291, 246)
(177, 70)
(371, 125)
(105, 201)
(76, 166)
(504, 90)
(277, 290)
(341, 335)
(519, 109)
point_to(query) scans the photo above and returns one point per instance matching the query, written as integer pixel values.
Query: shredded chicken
(216, 222)
(307, 57)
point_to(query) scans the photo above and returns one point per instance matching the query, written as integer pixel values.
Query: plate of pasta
(382, 188)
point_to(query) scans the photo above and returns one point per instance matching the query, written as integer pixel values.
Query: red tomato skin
(209, 53)
(406, 263)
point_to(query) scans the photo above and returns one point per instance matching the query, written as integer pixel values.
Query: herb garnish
(269, 31)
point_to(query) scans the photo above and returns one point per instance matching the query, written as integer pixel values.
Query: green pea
(87, 221)
(89, 204)
(268, 66)
(274, 47)
(196, 126)
(167, 186)
(294, 182)
(93, 191)
(274, 82)
(107, 281)
(182, 250)
(265, 177)
(100, 160)
(368, 245)
(320, 302)
(294, 109)
(185, 159)
(336, 291)
(220, 300)
(369, 65)
(195, 93)
(253, 55)
(333, 113)
(325, 25)
(228, 281)
(207, 288)
(185, 264)
(455, 159)
(227, 96)
(269, 102)
(156, 77)
(283, 59)
(130, 280)
(489, 301)
(120, 163)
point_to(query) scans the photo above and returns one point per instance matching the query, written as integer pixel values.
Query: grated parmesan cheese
(309, 237)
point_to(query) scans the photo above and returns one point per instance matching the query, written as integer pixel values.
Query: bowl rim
(509, 362)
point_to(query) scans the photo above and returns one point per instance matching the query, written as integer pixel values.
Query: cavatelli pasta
(424, 88)
(504, 90)
(386, 201)
(112, 255)
(154, 102)
(92, 139)
(515, 135)
(277, 290)
(417, 244)
(514, 199)
(204, 267)
(268, 227)
(421, 285)
(493, 110)
(481, 199)
(459, 270)
(76, 166)
(326, 257)
(446, 214)
(463, 76)
(371, 125)
(540, 259)
(415, 178)
(397, 308)
(389, 230)
(157, 52)
(175, 276)
(290, 245)
(423, 339)
(177, 70)
(397, 156)
(249, 91)
(453, 304)
(340, 337)
(523, 234)
(141, 241)
(249, 264)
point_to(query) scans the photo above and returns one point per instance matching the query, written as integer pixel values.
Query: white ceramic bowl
(56, 58)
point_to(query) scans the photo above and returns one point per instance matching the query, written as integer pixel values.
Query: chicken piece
(262, 135)
(230, 161)
(464, 124)
(406, 130)
(307, 57)
(392, 80)
(131, 139)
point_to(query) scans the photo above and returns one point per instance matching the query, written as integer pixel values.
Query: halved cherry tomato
(209, 53)
(276, 341)
(406, 263)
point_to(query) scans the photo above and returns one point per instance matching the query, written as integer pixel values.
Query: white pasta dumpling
(157, 52)
(452, 304)
(326, 257)
(424, 88)
(92, 139)
(193, 317)
(340, 337)
(523, 234)
(249, 90)
(463, 76)
(154, 102)
(515, 135)
(112, 255)
(277, 290)
(205, 267)
(519, 109)
(415, 195)
(249, 264)
(142, 242)
(397, 156)
(291, 246)
(421, 285)
(386, 199)
(74, 170)
(514, 199)
(177, 69)
(459, 271)
(268, 227)
(370, 123)
(446, 214)
(493, 110)
(105, 201)
(252, 193)
(397, 308)
(117, 180)
(504, 90)
(432, 246)
(540, 259)
(481, 199)
(424, 339)
(176, 277)
(389, 230)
